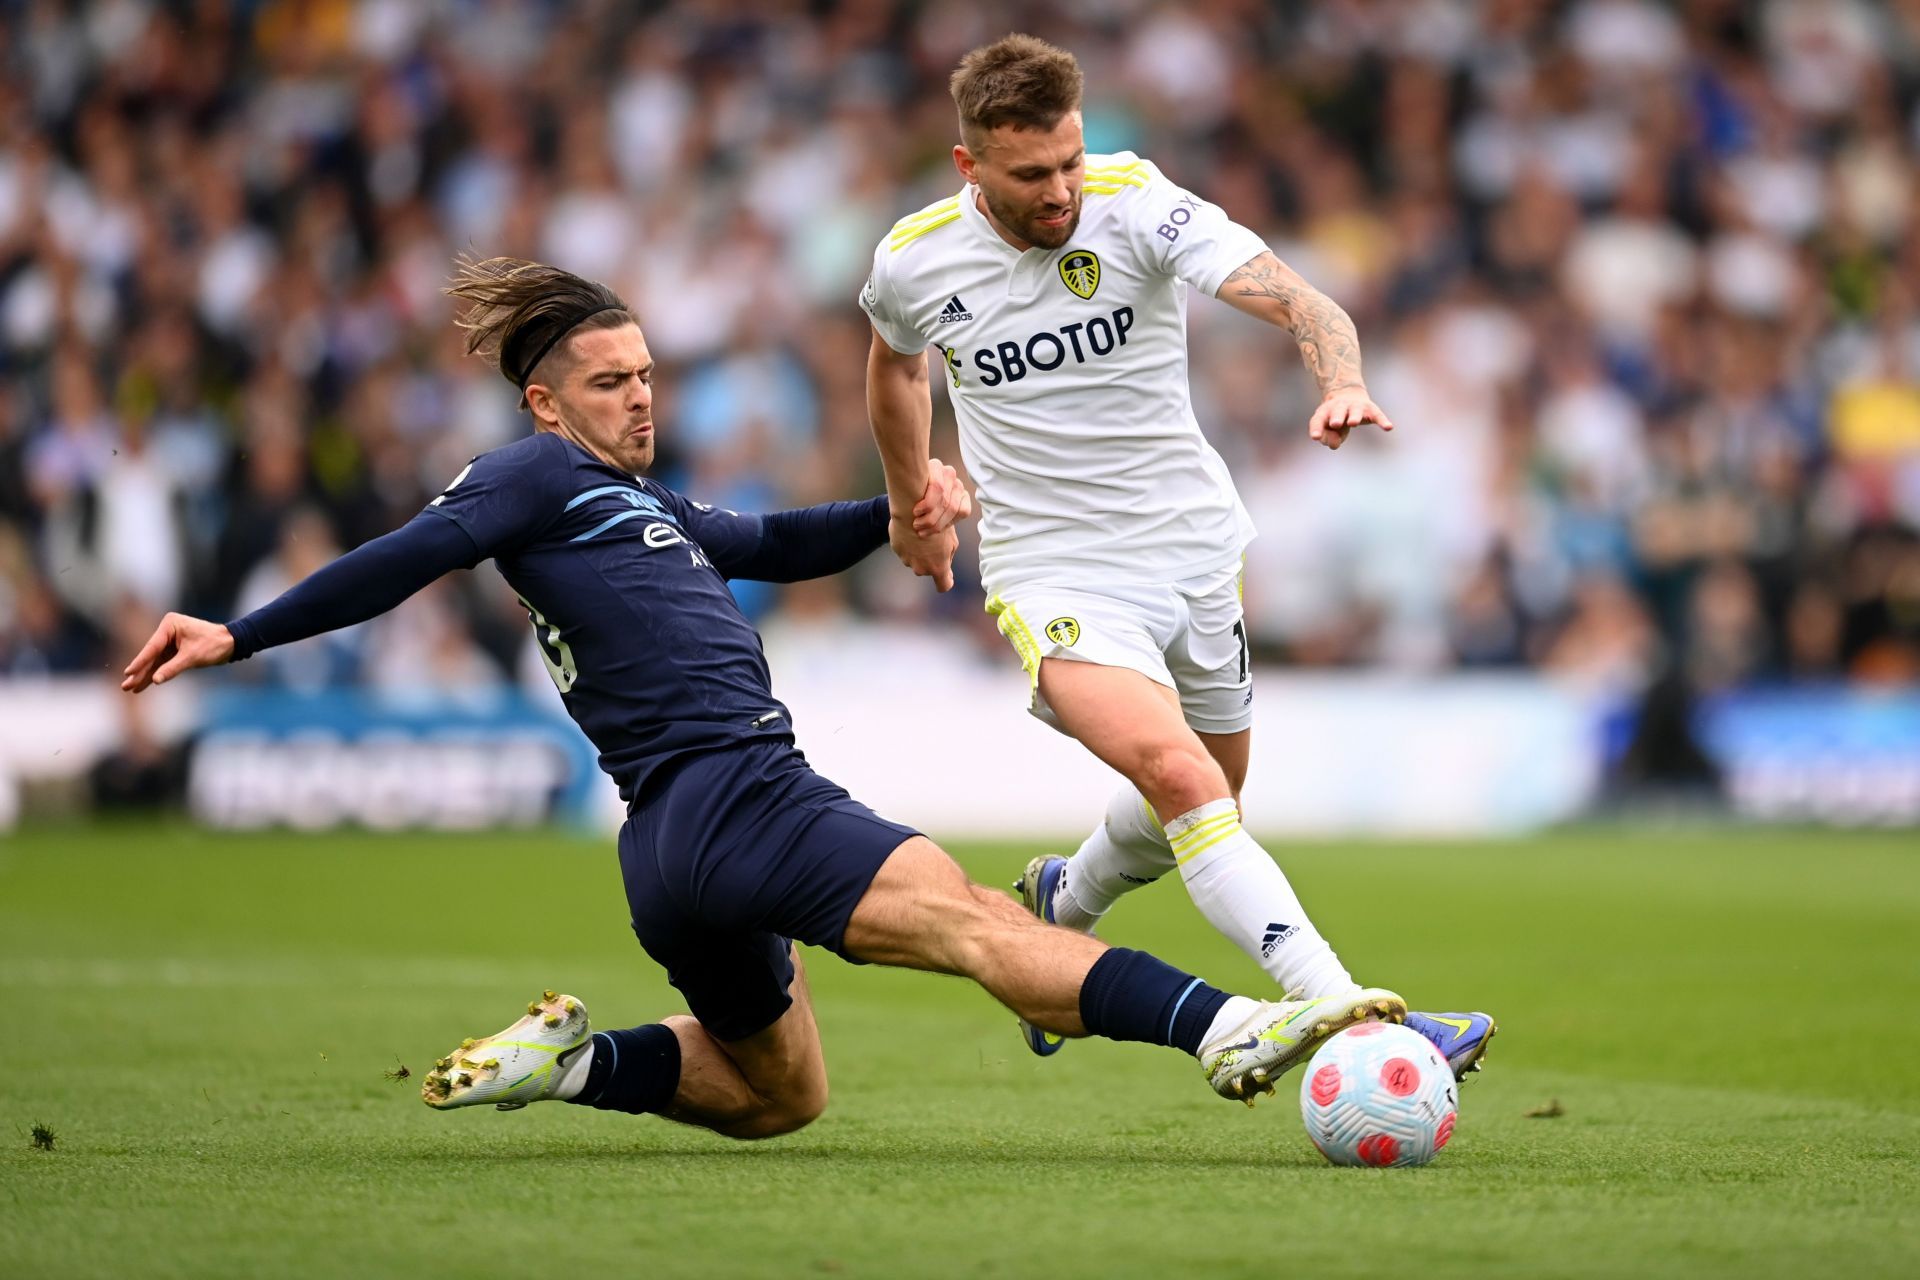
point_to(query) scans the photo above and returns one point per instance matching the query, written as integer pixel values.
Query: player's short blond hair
(1018, 80)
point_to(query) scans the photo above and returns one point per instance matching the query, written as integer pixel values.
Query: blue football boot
(1036, 887)
(1461, 1038)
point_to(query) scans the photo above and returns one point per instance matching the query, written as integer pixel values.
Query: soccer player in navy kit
(733, 848)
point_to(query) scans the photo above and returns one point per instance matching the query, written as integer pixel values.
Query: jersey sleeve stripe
(901, 239)
(914, 224)
(939, 208)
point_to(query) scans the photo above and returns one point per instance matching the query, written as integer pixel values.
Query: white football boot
(511, 1068)
(1282, 1034)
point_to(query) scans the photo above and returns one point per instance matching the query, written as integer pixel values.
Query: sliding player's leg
(922, 912)
(770, 1082)
(756, 1084)
(759, 841)
(733, 855)
(746, 1062)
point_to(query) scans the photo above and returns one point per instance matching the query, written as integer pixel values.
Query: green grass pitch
(1726, 1020)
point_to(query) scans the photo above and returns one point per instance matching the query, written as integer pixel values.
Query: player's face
(604, 400)
(1030, 180)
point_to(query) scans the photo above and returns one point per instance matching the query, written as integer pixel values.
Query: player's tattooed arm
(1268, 289)
(1271, 290)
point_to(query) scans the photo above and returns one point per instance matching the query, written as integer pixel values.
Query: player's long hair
(1019, 80)
(518, 310)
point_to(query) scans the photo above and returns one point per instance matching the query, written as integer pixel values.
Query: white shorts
(1189, 636)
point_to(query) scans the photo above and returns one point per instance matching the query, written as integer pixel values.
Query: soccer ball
(1379, 1094)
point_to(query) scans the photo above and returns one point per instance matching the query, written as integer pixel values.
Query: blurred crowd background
(1638, 281)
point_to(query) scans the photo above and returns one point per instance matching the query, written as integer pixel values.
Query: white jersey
(1068, 374)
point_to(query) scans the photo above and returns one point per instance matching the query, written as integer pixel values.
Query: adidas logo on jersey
(954, 310)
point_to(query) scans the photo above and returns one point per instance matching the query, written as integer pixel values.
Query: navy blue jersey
(626, 585)
(625, 582)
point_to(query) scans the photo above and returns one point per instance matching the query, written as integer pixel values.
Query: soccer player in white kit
(1053, 288)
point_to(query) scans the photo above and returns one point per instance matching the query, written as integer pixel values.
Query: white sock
(573, 1076)
(1127, 850)
(1243, 893)
(1235, 1011)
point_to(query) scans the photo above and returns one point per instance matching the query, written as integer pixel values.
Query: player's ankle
(636, 1070)
(574, 1075)
(1235, 1011)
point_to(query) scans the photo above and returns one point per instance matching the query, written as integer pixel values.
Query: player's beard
(1027, 225)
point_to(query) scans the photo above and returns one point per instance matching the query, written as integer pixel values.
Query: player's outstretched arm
(1268, 289)
(807, 542)
(364, 583)
(786, 546)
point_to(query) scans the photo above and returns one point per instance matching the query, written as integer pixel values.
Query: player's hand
(928, 557)
(1341, 412)
(179, 644)
(945, 501)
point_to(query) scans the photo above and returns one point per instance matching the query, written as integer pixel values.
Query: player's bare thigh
(921, 911)
(774, 1081)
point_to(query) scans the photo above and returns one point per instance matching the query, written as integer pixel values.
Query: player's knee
(790, 1112)
(806, 1107)
(1175, 779)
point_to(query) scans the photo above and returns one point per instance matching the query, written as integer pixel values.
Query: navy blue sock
(636, 1070)
(1130, 995)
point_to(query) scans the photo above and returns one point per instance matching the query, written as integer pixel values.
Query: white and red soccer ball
(1379, 1094)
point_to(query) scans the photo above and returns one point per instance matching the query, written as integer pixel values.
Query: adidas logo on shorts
(954, 310)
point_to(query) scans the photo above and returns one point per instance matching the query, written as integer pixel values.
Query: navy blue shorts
(743, 851)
